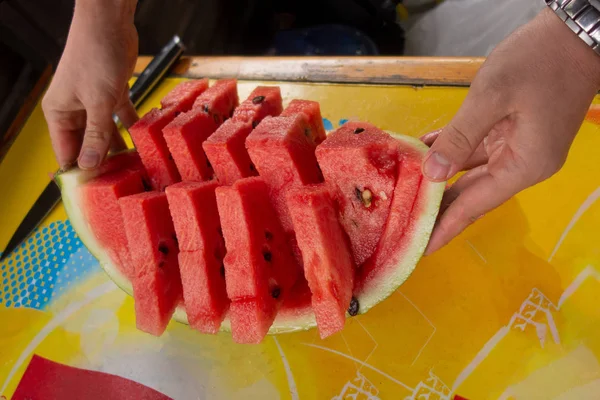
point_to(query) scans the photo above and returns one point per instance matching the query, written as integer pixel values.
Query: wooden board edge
(434, 71)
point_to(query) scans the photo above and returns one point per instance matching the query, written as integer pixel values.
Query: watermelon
(312, 112)
(328, 263)
(219, 100)
(184, 136)
(385, 213)
(183, 95)
(226, 151)
(263, 101)
(193, 208)
(153, 246)
(284, 157)
(152, 148)
(362, 162)
(101, 197)
(259, 264)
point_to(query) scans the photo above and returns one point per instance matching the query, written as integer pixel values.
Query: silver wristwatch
(582, 16)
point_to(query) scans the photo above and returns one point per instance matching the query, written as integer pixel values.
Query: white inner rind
(430, 194)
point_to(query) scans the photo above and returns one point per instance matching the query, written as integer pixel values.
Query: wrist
(111, 12)
(579, 54)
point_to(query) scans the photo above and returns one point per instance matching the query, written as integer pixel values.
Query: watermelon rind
(285, 322)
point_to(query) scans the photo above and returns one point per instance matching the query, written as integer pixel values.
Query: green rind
(70, 181)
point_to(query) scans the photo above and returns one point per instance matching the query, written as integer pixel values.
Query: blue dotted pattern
(44, 266)
(327, 124)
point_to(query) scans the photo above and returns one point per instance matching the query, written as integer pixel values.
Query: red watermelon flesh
(259, 264)
(194, 211)
(362, 162)
(219, 100)
(100, 197)
(184, 136)
(153, 247)
(284, 158)
(312, 112)
(150, 144)
(226, 151)
(183, 95)
(328, 264)
(398, 222)
(263, 101)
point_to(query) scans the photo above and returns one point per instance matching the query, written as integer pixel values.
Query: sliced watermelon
(328, 264)
(259, 265)
(219, 100)
(150, 144)
(226, 151)
(153, 246)
(184, 136)
(284, 158)
(312, 112)
(183, 95)
(263, 101)
(362, 161)
(101, 198)
(201, 250)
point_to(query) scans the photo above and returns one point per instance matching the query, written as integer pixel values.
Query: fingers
(456, 143)
(126, 111)
(66, 129)
(117, 142)
(97, 137)
(477, 193)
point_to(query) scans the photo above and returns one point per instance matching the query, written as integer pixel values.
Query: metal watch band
(582, 17)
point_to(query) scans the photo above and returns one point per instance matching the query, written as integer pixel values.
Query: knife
(143, 86)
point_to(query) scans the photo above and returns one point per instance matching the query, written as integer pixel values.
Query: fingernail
(436, 167)
(89, 159)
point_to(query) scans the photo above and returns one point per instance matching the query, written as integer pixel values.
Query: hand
(90, 83)
(516, 125)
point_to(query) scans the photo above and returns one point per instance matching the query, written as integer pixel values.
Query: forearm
(115, 12)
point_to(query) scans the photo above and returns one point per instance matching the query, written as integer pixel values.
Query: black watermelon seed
(358, 194)
(268, 235)
(222, 270)
(359, 130)
(216, 118)
(254, 124)
(353, 309)
(208, 164)
(146, 184)
(258, 99)
(174, 236)
(170, 157)
(307, 132)
(252, 167)
(220, 231)
(267, 256)
(206, 108)
(163, 248)
(177, 113)
(276, 292)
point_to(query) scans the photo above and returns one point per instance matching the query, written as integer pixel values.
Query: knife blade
(143, 86)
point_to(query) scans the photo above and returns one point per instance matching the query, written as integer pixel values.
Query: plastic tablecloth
(509, 310)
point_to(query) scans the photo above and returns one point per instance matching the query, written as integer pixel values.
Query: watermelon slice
(284, 157)
(226, 150)
(362, 161)
(150, 144)
(153, 246)
(184, 136)
(328, 264)
(101, 198)
(312, 112)
(219, 100)
(201, 250)
(259, 265)
(407, 205)
(183, 95)
(263, 101)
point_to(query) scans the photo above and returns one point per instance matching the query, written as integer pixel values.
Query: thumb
(97, 137)
(458, 140)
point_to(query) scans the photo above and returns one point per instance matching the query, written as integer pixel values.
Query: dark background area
(33, 34)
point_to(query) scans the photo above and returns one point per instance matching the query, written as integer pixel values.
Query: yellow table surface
(510, 309)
